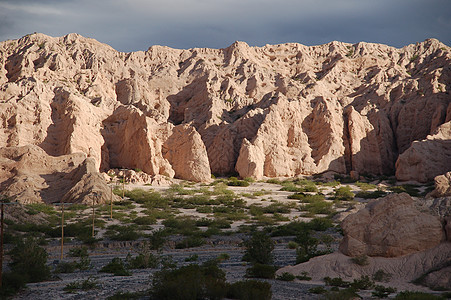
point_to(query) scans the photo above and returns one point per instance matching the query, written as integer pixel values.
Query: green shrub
(292, 245)
(157, 239)
(285, 276)
(410, 189)
(365, 186)
(190, 282)
(346, 294)
(274, 181)
(382, 276)
(78, 252)
(122, 233)
(290, 229)
(304, 276)
(12, 283)
(363, 283)
(336, 281)
(320, 224)
(29, 259)
(259, 248)
(320, 207)
(233, 181)
(250, 290)
(317, 290)
(143, 260)
(147, 220)
(193, 257)
(223, 257)
(361, 260)
(66, 267)
(382, 291)
(261, 271)
(307, 198)
(116, 267)
(344, 193)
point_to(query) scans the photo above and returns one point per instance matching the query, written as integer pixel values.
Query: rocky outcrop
(417, 164)
(403, 270)
(391, 226)
(187, 154)
(277, 110)
(29, 175)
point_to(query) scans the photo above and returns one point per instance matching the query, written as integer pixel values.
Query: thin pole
(1, 246)
(93, 216)
(111, 203)
(123, 187)
(62, 230)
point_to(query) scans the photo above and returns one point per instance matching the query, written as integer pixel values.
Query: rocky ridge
(274, 111)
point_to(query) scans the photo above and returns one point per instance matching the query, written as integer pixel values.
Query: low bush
(285, 276)
(78, 252)
(146, 220)
(344, 193)
(382, 291)
(317, 290)
(261, 271)
(361, 260)
(233, 181)
(193, 257)
(116, 267)
(346, 294)
(304, 276)
(122, 233)
(205, 281)
(127, 295)
(336, 281)
(410, 189)
(12, 283)
(363, 283)
(382, 276)
(223, 256)
(250, 290)
(144, 260)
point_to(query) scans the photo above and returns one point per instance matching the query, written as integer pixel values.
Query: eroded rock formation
(277, 110)
(30, 175)
(391, 226)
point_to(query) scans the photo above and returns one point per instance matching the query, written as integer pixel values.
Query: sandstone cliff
(277, 110)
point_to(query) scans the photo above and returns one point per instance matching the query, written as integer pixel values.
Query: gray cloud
(130, 25)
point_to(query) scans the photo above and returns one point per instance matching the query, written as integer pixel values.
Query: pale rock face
(187, 154)
(277, 110)
(133, 140)
(390, 227)
(417, 163)
(29, 175)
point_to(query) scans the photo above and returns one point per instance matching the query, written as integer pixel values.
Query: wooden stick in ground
(111, 204)
(62, 230)
(93, 215)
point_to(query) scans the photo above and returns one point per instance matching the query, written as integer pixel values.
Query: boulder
(391, 226)
(442, 186)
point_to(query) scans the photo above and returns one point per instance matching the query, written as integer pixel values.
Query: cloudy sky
(130, 25)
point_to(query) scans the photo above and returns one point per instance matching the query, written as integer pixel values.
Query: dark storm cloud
(130, 25)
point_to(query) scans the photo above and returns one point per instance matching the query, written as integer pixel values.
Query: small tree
(29, 260)
(259, 249)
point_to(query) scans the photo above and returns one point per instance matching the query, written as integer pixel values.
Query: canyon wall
(274, 111)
